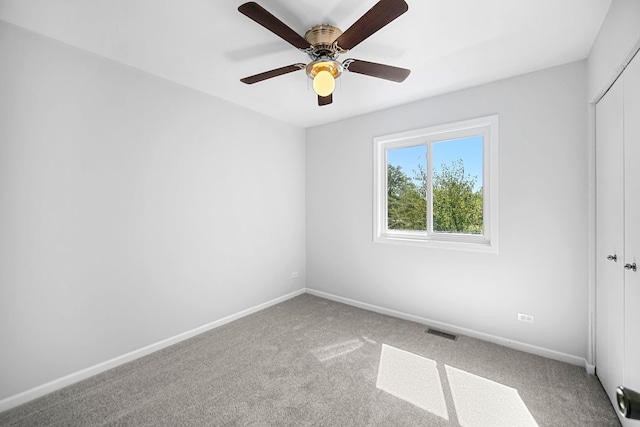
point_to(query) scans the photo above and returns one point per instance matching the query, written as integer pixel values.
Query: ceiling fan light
(324, 83)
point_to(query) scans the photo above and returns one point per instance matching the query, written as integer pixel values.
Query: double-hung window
(438, 186)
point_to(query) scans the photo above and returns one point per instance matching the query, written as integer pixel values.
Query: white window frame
(487, 127)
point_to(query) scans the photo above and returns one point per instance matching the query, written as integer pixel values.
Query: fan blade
(256, 12)
(377, 17)
(374, 69)
(325, 100)
(273, 73)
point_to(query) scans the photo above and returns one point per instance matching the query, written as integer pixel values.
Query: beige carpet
(313, 362)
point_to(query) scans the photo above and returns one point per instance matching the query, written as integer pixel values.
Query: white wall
(131, 209)
(618, 36)
(542, 267)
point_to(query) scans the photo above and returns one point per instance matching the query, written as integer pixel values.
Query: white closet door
(609, 240)
(632, 223)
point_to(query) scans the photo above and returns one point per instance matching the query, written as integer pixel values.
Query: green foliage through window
(407, 205)
(457, 204)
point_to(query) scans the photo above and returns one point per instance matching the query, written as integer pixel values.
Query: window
(438, 186)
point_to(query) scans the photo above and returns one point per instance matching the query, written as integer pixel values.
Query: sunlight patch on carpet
(480, 402)
(411, 378)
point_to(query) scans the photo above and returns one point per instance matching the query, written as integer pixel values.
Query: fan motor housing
(322, 38)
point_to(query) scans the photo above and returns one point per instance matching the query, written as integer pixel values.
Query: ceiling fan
(323, 43)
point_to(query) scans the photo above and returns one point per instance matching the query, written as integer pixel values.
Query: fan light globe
(324, 83)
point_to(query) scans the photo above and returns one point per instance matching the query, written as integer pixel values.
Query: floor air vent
(442, 334)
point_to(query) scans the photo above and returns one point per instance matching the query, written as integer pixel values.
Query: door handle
(628, 403)
(631, 267)
(613, 258)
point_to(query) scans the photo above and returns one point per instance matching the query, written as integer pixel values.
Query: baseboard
(591, 369)
(57, 384)
(517, 345)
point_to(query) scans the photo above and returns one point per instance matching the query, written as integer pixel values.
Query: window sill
(467, 243)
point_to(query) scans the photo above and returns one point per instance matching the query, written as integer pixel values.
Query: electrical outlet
(525, 318)
(294, 275)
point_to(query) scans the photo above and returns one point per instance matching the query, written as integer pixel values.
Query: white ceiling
(208, 45)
